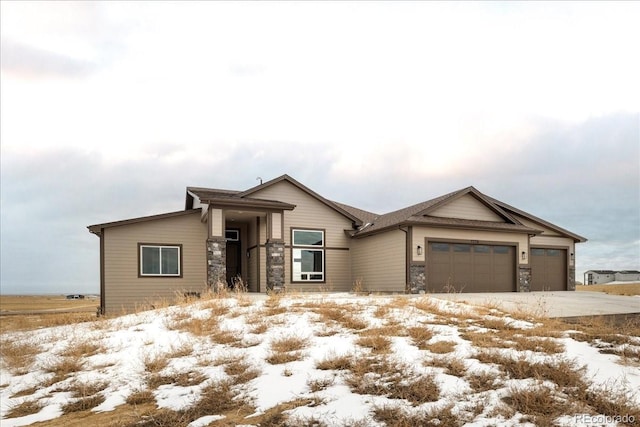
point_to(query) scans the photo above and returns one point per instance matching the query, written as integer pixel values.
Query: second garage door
(548, 269)
(460, 267)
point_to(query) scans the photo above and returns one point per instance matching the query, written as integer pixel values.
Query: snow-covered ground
(125, 348)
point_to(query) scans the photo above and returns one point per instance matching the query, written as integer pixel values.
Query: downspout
(101, 309)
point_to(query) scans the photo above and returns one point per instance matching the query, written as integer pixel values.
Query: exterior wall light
(573, 257)
(524, 255)
(419, 250)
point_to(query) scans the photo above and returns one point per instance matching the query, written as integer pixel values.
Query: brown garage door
(464, 267)
(548, 269)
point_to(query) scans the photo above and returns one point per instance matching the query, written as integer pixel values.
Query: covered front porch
(245, 244)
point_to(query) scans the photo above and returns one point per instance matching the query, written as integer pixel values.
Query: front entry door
(234, 261)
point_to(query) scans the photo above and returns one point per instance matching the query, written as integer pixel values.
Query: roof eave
(248, 203)
(527, 230)
(304, 188)
(487, 201)
(97, 228)
(576, 238)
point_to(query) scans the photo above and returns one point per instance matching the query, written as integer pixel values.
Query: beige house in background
(281, 234)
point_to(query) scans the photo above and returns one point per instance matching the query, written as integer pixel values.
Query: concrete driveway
(552, 304)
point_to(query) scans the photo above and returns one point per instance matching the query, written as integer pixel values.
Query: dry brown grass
(484, 339)
(392, 330)
(217, 398)
(335, 362)
(277, 417)
(430, 306)
(289, 343)
(241, 371)
(540, 402)
(83, 404)
(318, 384)
(608, 400)
(226, 337)
(27, 407)
(83, 347)
(340, 314)
(420, 335)
(156, 362)
(493, 323)
(540, 345)
(441, 347)
(181, 350)
(441, 416)
(259, 327)
(25, 392)
(182, 379)
(623, 289)
(197, 326)
(564, 373)
(20, 322)
(140, 397)
(18, 356)
(452, 365)
(607, 330)
(61, 367)
(483, 381)
(384, 377)
(286, 349)
(377, 343)
(278, 358)
(29, 303)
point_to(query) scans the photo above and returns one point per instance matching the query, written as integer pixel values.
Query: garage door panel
(470, 267)
(548, 269)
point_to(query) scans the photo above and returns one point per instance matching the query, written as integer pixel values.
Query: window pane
(312, 261)
(440, 247)
(150, 260)
(501, 249)
(308, 265)
(537, 252)
(232, 235)
(461, 248)
(170, 261)
(308, 238)
(553, 252)
(482, 249)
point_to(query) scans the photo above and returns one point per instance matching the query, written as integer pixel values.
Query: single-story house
(628, 276)
(597, 277)
(282, 235)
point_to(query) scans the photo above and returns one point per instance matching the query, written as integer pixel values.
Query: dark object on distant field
(75, 296)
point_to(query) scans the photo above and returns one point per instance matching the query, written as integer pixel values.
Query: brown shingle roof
(575, 237)
(232, 198)
(418, 214)
(243, 197)
(398, 217)
(361, 214)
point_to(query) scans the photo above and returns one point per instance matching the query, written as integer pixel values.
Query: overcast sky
(109, 110)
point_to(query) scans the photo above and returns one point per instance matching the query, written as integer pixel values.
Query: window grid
(308, 255)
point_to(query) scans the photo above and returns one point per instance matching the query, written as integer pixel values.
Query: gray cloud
(585, 178)
(30, 61)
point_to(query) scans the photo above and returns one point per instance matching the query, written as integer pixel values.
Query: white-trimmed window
(307, 255)
(160, 260)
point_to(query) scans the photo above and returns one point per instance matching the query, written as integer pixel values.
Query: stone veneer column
(524, 277)
(275, 265)
(571, 283)
(417, 279)
(216, 262)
